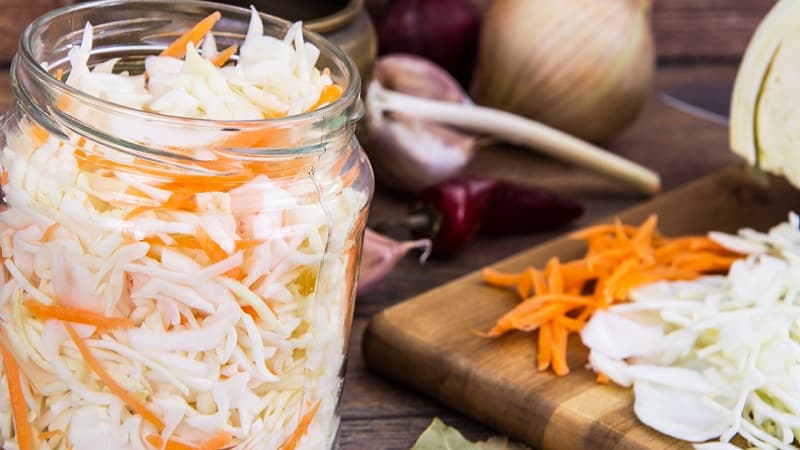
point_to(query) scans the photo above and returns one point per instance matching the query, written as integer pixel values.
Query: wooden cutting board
(425, 342)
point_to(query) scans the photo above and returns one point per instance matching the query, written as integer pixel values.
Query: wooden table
(378, 415)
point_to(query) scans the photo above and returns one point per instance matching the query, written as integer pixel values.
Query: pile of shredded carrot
(561, 298)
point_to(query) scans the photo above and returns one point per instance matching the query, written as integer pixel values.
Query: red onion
(444, 31)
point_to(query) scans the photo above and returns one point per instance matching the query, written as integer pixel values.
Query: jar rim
(348, 98)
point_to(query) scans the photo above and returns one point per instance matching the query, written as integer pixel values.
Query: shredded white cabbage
(715, 357)
(240, 305)
(271, 78)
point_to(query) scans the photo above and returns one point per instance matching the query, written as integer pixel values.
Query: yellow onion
(582, 66)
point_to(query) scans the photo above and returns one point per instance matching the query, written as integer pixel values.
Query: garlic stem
(515, 129)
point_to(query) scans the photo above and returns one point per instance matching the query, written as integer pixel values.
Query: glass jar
(169, 279)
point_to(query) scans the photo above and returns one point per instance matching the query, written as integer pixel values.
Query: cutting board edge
(383, 337)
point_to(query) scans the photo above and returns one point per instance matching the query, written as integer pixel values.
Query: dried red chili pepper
(452, 213)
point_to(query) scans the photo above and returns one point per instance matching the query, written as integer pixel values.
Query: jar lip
(347, 99)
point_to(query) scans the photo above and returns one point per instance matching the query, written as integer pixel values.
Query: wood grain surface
(705, 29)
(427, 343)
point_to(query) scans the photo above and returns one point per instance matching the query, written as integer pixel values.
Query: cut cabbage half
(765, 115)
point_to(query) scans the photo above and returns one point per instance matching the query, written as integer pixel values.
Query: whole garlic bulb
(409, 154)
(583, 66)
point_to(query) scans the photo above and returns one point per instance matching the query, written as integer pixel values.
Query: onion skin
(582, 66)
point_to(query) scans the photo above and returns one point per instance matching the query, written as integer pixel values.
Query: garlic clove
(414, 75)
(409, 155)
(381, 254)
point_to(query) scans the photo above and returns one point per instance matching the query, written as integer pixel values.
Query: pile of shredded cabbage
(715, 357)
(246, 344)
(270, 78)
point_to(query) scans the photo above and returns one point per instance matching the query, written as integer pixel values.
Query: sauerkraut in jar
(183, 208)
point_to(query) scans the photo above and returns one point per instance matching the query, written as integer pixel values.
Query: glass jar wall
(172, 280)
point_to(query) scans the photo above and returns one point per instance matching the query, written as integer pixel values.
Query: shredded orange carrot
(301, 430)
(178, 47)
(499, 279)
(185, 184)
(601, 230)
(171, 444)
(216, 254)
(22, 427)
(219, 440)
(330, 94)
(528, 321)
(571, 324)
(537, 278)
(266, 137)
(75, 315)
(210, 247)
(353, 257)
(246, 244)
(534, 303)
(236, 273)
(136, 211)
(186, 201)
(603, 378)
(524, 287)
(586, 313)
(225, 55)
(545, 353)
(50, 232)
(351, 175)
(115, 388)
(39, 134)
(59, 74)
(249, 310)
(559, 352)
(561, 298)
(555, 279)
(50, 434)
